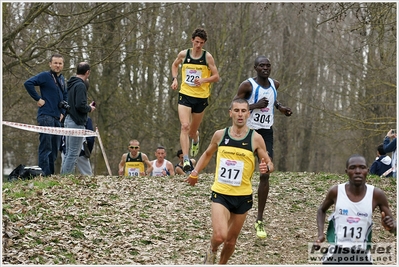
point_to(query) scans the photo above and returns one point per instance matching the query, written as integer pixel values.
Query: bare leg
(235, 225)
(220, 224)
(195, 124)
(263, 192)
(184, 116)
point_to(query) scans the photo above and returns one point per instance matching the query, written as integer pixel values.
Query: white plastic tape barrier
(51, 130)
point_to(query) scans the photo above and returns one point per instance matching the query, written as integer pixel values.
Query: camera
(393, 131)
(64, 104)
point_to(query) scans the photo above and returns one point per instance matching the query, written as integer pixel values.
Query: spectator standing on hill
(261, 93)
(198, 72)
(350, 225)
(390, 146)
(77, 115)
(52, 103)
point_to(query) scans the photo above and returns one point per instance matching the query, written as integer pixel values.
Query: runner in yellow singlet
(231, 196)
(132, 163)
(198, 72)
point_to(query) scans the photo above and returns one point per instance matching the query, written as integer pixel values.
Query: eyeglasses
(134, 147)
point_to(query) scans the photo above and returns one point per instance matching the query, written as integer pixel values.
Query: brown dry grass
(151, 221)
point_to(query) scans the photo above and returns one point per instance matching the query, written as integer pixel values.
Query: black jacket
(77, 100)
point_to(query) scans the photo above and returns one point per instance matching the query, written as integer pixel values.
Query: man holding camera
(51, 110)
(77, 116)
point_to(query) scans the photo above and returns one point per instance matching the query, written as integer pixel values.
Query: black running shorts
(197, 105)
(235, 204)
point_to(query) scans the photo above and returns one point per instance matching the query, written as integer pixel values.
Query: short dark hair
(201, 33)
(82, 68)
(179, 152)
(55, 55)
(238, 100)
(381, 150)
(257, 59)
(161, 147)
(355, 156)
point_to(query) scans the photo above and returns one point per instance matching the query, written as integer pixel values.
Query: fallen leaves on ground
(159, 220)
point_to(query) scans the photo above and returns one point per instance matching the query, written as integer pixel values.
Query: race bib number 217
(230, 172)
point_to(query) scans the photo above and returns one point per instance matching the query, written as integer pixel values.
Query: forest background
(336, 63)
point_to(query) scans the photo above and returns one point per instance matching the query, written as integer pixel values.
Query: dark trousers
(49, 144)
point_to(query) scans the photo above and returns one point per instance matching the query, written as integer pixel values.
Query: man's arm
(144, 157)
(179, 171)
(388, 145)
(285, 110)
(64, 97)
(170, 168)
(205, 157)
(122, 164)
(245, 91)
(81, 99)
(175, 68)
(214, 70)
(30, 87)
(330, 199)
(387, 219)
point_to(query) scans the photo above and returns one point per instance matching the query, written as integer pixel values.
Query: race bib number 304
(230, 172)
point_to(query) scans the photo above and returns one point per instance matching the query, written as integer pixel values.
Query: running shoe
(260, 229)
(210, 257)
(186, 165)
(194, 148)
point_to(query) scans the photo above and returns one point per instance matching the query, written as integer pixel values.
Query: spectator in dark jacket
(382, 163)
(51, 109)
(77, 115)
(390, 146)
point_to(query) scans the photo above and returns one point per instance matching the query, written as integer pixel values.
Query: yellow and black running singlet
(235, 165)
(134, 166)
(191, 69)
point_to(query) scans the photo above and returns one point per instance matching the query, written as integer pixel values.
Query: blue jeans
(48, 144)
(73, 145)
